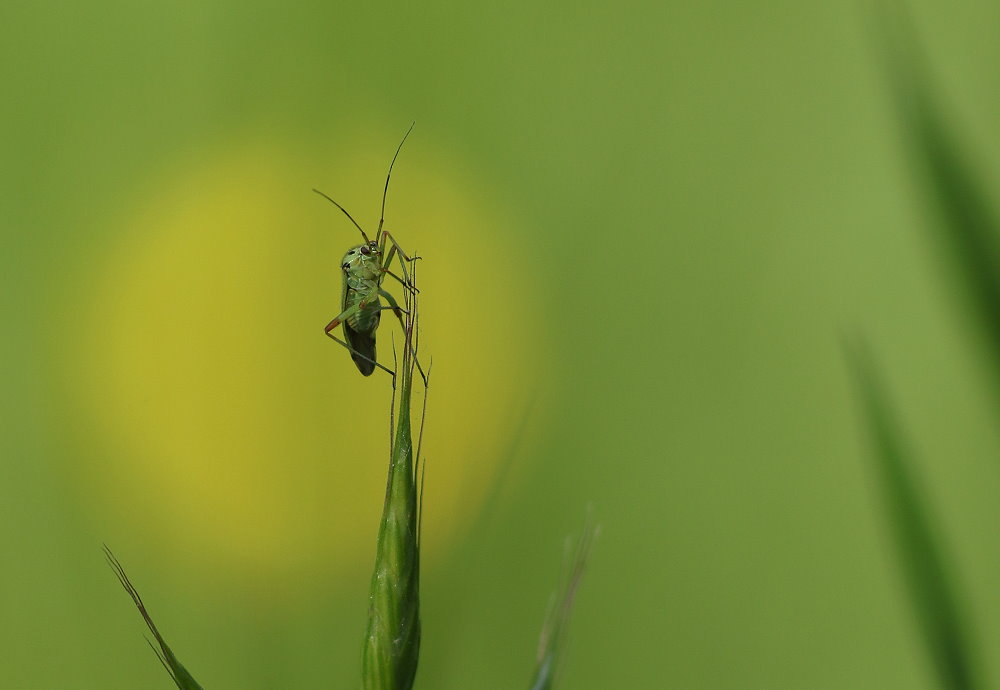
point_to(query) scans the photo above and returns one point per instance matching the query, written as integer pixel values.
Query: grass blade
(182, 679)
(552, 641)
(931, 586)
(967, 222)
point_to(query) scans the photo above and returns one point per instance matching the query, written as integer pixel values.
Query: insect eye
(365, 250)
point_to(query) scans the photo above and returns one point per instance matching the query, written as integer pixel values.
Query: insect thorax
(360, 265)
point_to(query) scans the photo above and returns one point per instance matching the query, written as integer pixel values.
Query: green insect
(364, 267)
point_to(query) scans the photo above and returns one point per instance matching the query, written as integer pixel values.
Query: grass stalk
(392, 639)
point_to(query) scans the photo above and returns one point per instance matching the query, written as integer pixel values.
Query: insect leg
(403, 258)
(342, 316)
(411, 288)
(355, 352)
(394, 306)
(399, 314)
(396, 248)
(371, 295)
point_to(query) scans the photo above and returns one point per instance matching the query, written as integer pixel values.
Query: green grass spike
(182, 679)
(392, 639)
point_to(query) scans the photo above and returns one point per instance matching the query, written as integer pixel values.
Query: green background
(709, 196)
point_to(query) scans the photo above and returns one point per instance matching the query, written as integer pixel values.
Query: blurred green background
(647, 227)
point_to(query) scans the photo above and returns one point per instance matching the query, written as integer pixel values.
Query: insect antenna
(385, 191)
(367, 241)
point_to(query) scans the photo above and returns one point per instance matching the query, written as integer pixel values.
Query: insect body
(364, 267)
(362, 308)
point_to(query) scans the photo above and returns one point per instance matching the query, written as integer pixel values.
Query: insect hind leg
(358, 354)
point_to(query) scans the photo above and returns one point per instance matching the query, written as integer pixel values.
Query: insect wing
(362, 347)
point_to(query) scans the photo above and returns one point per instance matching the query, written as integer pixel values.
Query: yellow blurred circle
(236, 433)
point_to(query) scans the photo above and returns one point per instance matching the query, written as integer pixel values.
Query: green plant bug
(364, 267)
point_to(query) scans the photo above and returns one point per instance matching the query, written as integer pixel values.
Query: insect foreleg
(396, 248)
(403, 258)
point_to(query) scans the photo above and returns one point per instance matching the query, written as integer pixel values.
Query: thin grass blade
(552, 642)
(932, 586)
(967, 221)
(182, 679)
